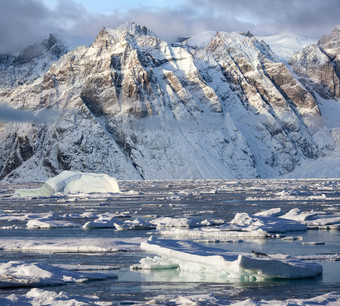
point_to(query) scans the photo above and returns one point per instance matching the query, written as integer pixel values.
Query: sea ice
(329, 299)
(219, 232)
(190, 256)
(84, 245)
(273, 212)
(165, 222)
(38, 296)
(136, 224)
(261, 225)
(19, 273)
(249, 223)
(47, 223)
(314, 219)
(101, 223)
(297, 215)
(72, 182)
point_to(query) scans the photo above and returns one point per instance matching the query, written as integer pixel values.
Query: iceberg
(73, 182)
(193, 257)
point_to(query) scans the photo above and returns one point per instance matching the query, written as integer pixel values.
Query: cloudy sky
(26, 21)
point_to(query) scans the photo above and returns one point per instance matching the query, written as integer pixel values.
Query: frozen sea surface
(45, 232)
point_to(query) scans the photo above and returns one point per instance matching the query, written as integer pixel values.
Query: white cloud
(26, 21)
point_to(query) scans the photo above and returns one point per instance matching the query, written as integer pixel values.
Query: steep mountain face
(219, 105)
(318, 65)
(30, 63)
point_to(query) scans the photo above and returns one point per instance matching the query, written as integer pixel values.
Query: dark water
(201, 199)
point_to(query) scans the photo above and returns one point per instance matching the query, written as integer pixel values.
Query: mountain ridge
(136, 107)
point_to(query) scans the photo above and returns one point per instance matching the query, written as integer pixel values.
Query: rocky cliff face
(318, 66)
(30, 63)
(219, 105)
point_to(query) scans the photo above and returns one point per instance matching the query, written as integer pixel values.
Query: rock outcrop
(318, 66)
(219, 105)
(30, 63)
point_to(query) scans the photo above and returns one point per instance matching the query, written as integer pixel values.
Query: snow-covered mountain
(286, 44)
(318, 66)
(30, 63)
(218, 105)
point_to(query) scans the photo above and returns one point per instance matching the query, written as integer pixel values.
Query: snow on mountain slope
(285, 45)
(220, 105)
(318, 66)
(30, 63)
(329, 165)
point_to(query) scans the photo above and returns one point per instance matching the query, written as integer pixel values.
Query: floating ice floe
(249, 223)
(49, 223)
(241, 227)
(299, 216)
(136, 224)
(84, 245)
(72, 182)
(314, 219)
(273, 212)
(38, 296)
(166, 222)
(19, 273)
(288, 196)
(329, 299)
(192, 257)
(101, 222)
(320, 257)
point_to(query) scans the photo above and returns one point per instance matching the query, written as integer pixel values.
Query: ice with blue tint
(193, 257)
(72, 182)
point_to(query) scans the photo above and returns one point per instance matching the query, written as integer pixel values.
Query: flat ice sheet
(38, 296)
(329, 299)
(85, 245)
(21, 274)
(196, 257)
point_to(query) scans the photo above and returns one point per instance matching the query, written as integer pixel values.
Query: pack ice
(192, 257)
(21, 274)
(72, 182)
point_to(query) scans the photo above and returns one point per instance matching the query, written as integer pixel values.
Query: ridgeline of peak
(30, 63)
(130, 28)
(318, 65)
(218, 105)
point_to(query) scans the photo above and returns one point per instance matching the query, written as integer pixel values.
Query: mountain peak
(129, 28)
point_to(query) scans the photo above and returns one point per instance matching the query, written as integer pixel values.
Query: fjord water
(219, 199)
